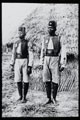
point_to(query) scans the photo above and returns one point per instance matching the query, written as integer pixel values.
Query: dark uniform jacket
(53, 43)
(21, 49)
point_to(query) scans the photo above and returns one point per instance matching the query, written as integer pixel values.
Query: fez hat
(52, 24)
(22, 29)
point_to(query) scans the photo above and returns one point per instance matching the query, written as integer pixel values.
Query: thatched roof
(66, 16)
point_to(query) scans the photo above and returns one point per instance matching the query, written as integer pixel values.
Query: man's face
(21, 34)
(51, 30)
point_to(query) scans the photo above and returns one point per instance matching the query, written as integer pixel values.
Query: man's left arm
(62, 57)
(30, 62)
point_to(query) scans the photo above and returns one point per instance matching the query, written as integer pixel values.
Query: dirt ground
(67, 106)
(67, 101)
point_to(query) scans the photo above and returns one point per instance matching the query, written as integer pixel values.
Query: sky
(12, 16)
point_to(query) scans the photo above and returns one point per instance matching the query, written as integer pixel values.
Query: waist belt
(50, 52)
(19, 56)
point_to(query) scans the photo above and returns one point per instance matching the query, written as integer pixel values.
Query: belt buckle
(18, 56)
(49, 51)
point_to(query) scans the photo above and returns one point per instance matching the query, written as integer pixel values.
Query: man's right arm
(13, 56)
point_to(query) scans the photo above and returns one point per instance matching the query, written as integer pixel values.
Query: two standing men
(51, 51)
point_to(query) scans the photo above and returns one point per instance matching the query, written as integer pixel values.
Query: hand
(12, 67)
(41, 67)
(61, 69)
(29, 70)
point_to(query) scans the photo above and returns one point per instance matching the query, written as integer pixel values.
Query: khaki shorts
(21, 69)
(51, 69)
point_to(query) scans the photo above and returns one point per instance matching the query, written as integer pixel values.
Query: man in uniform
(21, 61)
(53, 60)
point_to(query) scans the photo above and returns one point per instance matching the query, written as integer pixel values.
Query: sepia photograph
(40, 60)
